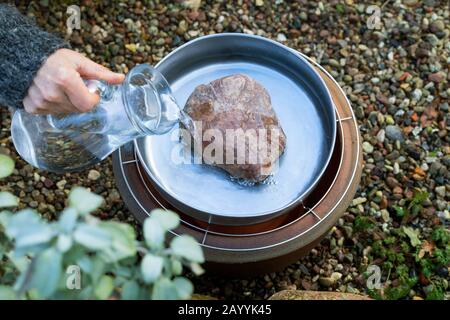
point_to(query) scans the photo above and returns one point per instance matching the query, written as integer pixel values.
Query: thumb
(88, 69)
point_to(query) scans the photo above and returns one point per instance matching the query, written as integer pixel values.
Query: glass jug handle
(103, 89)
(92, 121)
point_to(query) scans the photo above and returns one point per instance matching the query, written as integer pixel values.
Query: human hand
(58, 87)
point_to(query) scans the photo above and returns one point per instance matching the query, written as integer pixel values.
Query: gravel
(394, 133)
(396, 78)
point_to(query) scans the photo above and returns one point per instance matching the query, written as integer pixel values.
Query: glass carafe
(142, 105)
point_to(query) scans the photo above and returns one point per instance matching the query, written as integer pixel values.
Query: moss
(435, 291)
(363, 223)
(441, 235)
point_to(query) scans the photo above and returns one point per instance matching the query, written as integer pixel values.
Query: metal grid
(308, 210)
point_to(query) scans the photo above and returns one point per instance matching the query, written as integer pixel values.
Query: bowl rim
(266, 215)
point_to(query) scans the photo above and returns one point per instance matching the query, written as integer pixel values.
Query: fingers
(58, 88)
(88, 69)
(50, 91)
(76, 90)
(36, 103)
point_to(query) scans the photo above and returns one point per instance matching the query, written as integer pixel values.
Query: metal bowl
(271, 245)
(303, 105)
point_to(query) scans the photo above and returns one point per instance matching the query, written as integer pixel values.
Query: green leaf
(187, 247)
(104, 288)
(68, 220)
(151, 268)
(167, 219)
(184, 287)
(84, 201)
(413, 236)
(92, 237)
(153, 233)
(94, 266)
(123, 240)
(164, 289)
(130, 290)
(7, 293)
(35, 236)
(30, 233)
(64, 243)
(45, 273)
(399, 211)
(7, 200)
(20, 263)
(196, 269)
(6, 166)
(17, 223)
(124, 271)
(340, 8)
(177, 267)
(4, 217)
(419, 197)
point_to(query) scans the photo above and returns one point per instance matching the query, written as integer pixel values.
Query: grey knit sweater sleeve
(23, 49)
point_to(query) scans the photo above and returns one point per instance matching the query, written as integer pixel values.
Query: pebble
(417, 94)
(327, 281)
(440, 191)
(367, 147)
(93, 175)
(436, 77)
(381, 135)
(385, 215)
(394, 133)
(437, 26)
(358, 201)
(61, 184)
(359, 112)
(281, 37)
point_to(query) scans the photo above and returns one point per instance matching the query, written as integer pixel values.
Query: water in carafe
(142, 105)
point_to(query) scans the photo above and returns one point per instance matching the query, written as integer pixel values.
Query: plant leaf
(68, 219)
(94, 266)
(130, 290)
(30, 233)
(413, 236)
(16, 223)
(45, 273)
(84, 201)
(167, 219)
(196, 269)
(123, 240)
(7, 293)
(6, 166)
(427, 247)
(177, 267)
(7, 199)
(184, 287)
(164, 289)
(35, 236)
(153, 233)
(151, 267)
(104, 287)
(187, 247)
(64, 243)
(92, 237)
